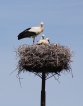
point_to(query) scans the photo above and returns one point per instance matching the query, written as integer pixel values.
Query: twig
(19, 79)
(13, 71)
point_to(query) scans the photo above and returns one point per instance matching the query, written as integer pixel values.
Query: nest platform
(51, 58)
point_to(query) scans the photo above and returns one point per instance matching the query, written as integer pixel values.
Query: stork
(31, 32)
(44, 42)
(42, 37)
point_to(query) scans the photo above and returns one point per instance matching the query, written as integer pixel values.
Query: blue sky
(63, 24)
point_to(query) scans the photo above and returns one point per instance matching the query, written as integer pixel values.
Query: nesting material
(51, 58)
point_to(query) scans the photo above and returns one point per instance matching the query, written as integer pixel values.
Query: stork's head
(47, 39)
(43, 36)
(41, 24)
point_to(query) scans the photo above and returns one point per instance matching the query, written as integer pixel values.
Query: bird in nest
(43, 42)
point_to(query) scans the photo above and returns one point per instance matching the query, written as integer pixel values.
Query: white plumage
(56, 44)
(31, 32)
(42, 37)
(44, 42)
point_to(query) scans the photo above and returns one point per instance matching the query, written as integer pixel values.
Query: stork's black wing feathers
(25, 34)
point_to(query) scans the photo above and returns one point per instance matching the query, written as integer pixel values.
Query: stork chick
(44, 42)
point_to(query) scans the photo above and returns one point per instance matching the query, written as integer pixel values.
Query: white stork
(44, 42)
(42, 37)
(31, 32)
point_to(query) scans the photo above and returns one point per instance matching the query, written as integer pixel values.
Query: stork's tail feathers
(26, 34)
(20, 36)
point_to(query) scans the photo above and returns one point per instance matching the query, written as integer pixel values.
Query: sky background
(63, 24)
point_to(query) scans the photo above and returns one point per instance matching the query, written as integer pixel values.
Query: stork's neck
(42, 27)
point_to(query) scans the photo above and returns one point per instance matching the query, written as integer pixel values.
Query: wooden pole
(43, 90)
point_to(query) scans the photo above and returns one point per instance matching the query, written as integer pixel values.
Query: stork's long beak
(41, 25)
(49, 41)
(43, 37)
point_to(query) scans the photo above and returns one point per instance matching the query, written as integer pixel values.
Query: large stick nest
(48, 58)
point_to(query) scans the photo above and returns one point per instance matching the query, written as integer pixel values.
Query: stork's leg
(33, 41)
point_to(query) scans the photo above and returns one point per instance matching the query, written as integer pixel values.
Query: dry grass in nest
(48, 58)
